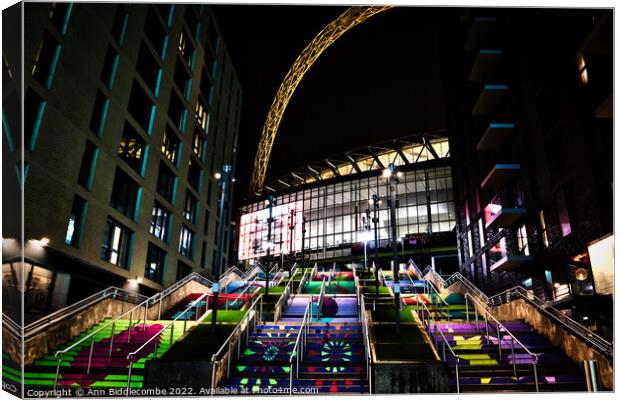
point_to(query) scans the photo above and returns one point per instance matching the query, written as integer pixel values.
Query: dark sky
(379, 81)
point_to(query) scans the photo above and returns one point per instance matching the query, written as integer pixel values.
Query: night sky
(379, 81)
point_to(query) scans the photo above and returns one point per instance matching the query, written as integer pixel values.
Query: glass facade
(335, 214)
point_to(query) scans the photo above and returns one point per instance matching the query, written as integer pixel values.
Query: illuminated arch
(328, 35)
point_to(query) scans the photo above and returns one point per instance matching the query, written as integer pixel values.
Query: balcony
(495, 136)
(502, 217)
(500, 174)
(490, 99)
(511, 262)
(483, 33)
(486, 65)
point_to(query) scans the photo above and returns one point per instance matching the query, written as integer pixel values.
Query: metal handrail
(504, 297)
(333, 271)
(92, 336)
(159, 297)
(285, 296)
(445, 304)
(243, 324)
(302, 337)
(500, 327)
(111, 292)
(12, 326)
(570, 324)
(320, 302)
(226, 301)
(304, 278)
(170, 324)
(413, 265)
(426, 320)
(366, 337)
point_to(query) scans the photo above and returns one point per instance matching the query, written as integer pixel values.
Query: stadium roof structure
(406, 150)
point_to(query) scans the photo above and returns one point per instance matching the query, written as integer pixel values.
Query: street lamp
(375, 202)
(223, 178)
(392, 176)
(365, 236)
(402, 247)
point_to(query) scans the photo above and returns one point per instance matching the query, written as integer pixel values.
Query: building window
(155, 264)
(160, 222)
(176, 111)
(186, 241)
(59, 15)
(170, 146)
(182, 78)
(34, 108)
(191, 208)
(205, 85)
(76, 221)
(194, 174)
(166, 183)
(192, 21)
(156, 34)
(132, 148)
(100, 113)
(149, 70)
(87, 167)
(522, 241)
(46, 60)
(116, 243)
(183, 270)
(212, 36)
(120, 24)
(124, 194)
(202, 115)
(110, 65)
(141, 107)
(186, 49)
(583, 71)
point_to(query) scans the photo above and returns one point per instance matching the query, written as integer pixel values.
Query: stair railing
(570, 324)
(519, 292)
(159, 297)
(499, 328)
(91, 336)
(249, 285)
(241, 332)
(304, 278)
(283, 300)
(160, 333)
(297, 354)
(428, 322)
(443, 305)
(366, 337)
(314, 270)
(12, 327)
(57, 316)
(333, 271)
(320, 302)
(358, 290)
(412, 265)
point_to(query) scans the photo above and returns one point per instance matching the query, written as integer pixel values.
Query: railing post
(129, 373)
(535, 375)
(458, 383)
(476, 314)
(129, 326)
(145, 312)
(171, 333)
(512, 348)
(499, 342)
(159, 310)
(467, 307)
(111, 341)
(57, 373)
(184, 325)
(90, 355)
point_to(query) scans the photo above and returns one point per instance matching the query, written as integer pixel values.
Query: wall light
(217, 176)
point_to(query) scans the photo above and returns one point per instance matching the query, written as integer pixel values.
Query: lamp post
(269, 203)
(291, 226)
(375, 201)
(402, 247)
(366, 237)
(223, 177)
(303, 238)
(392, 176)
